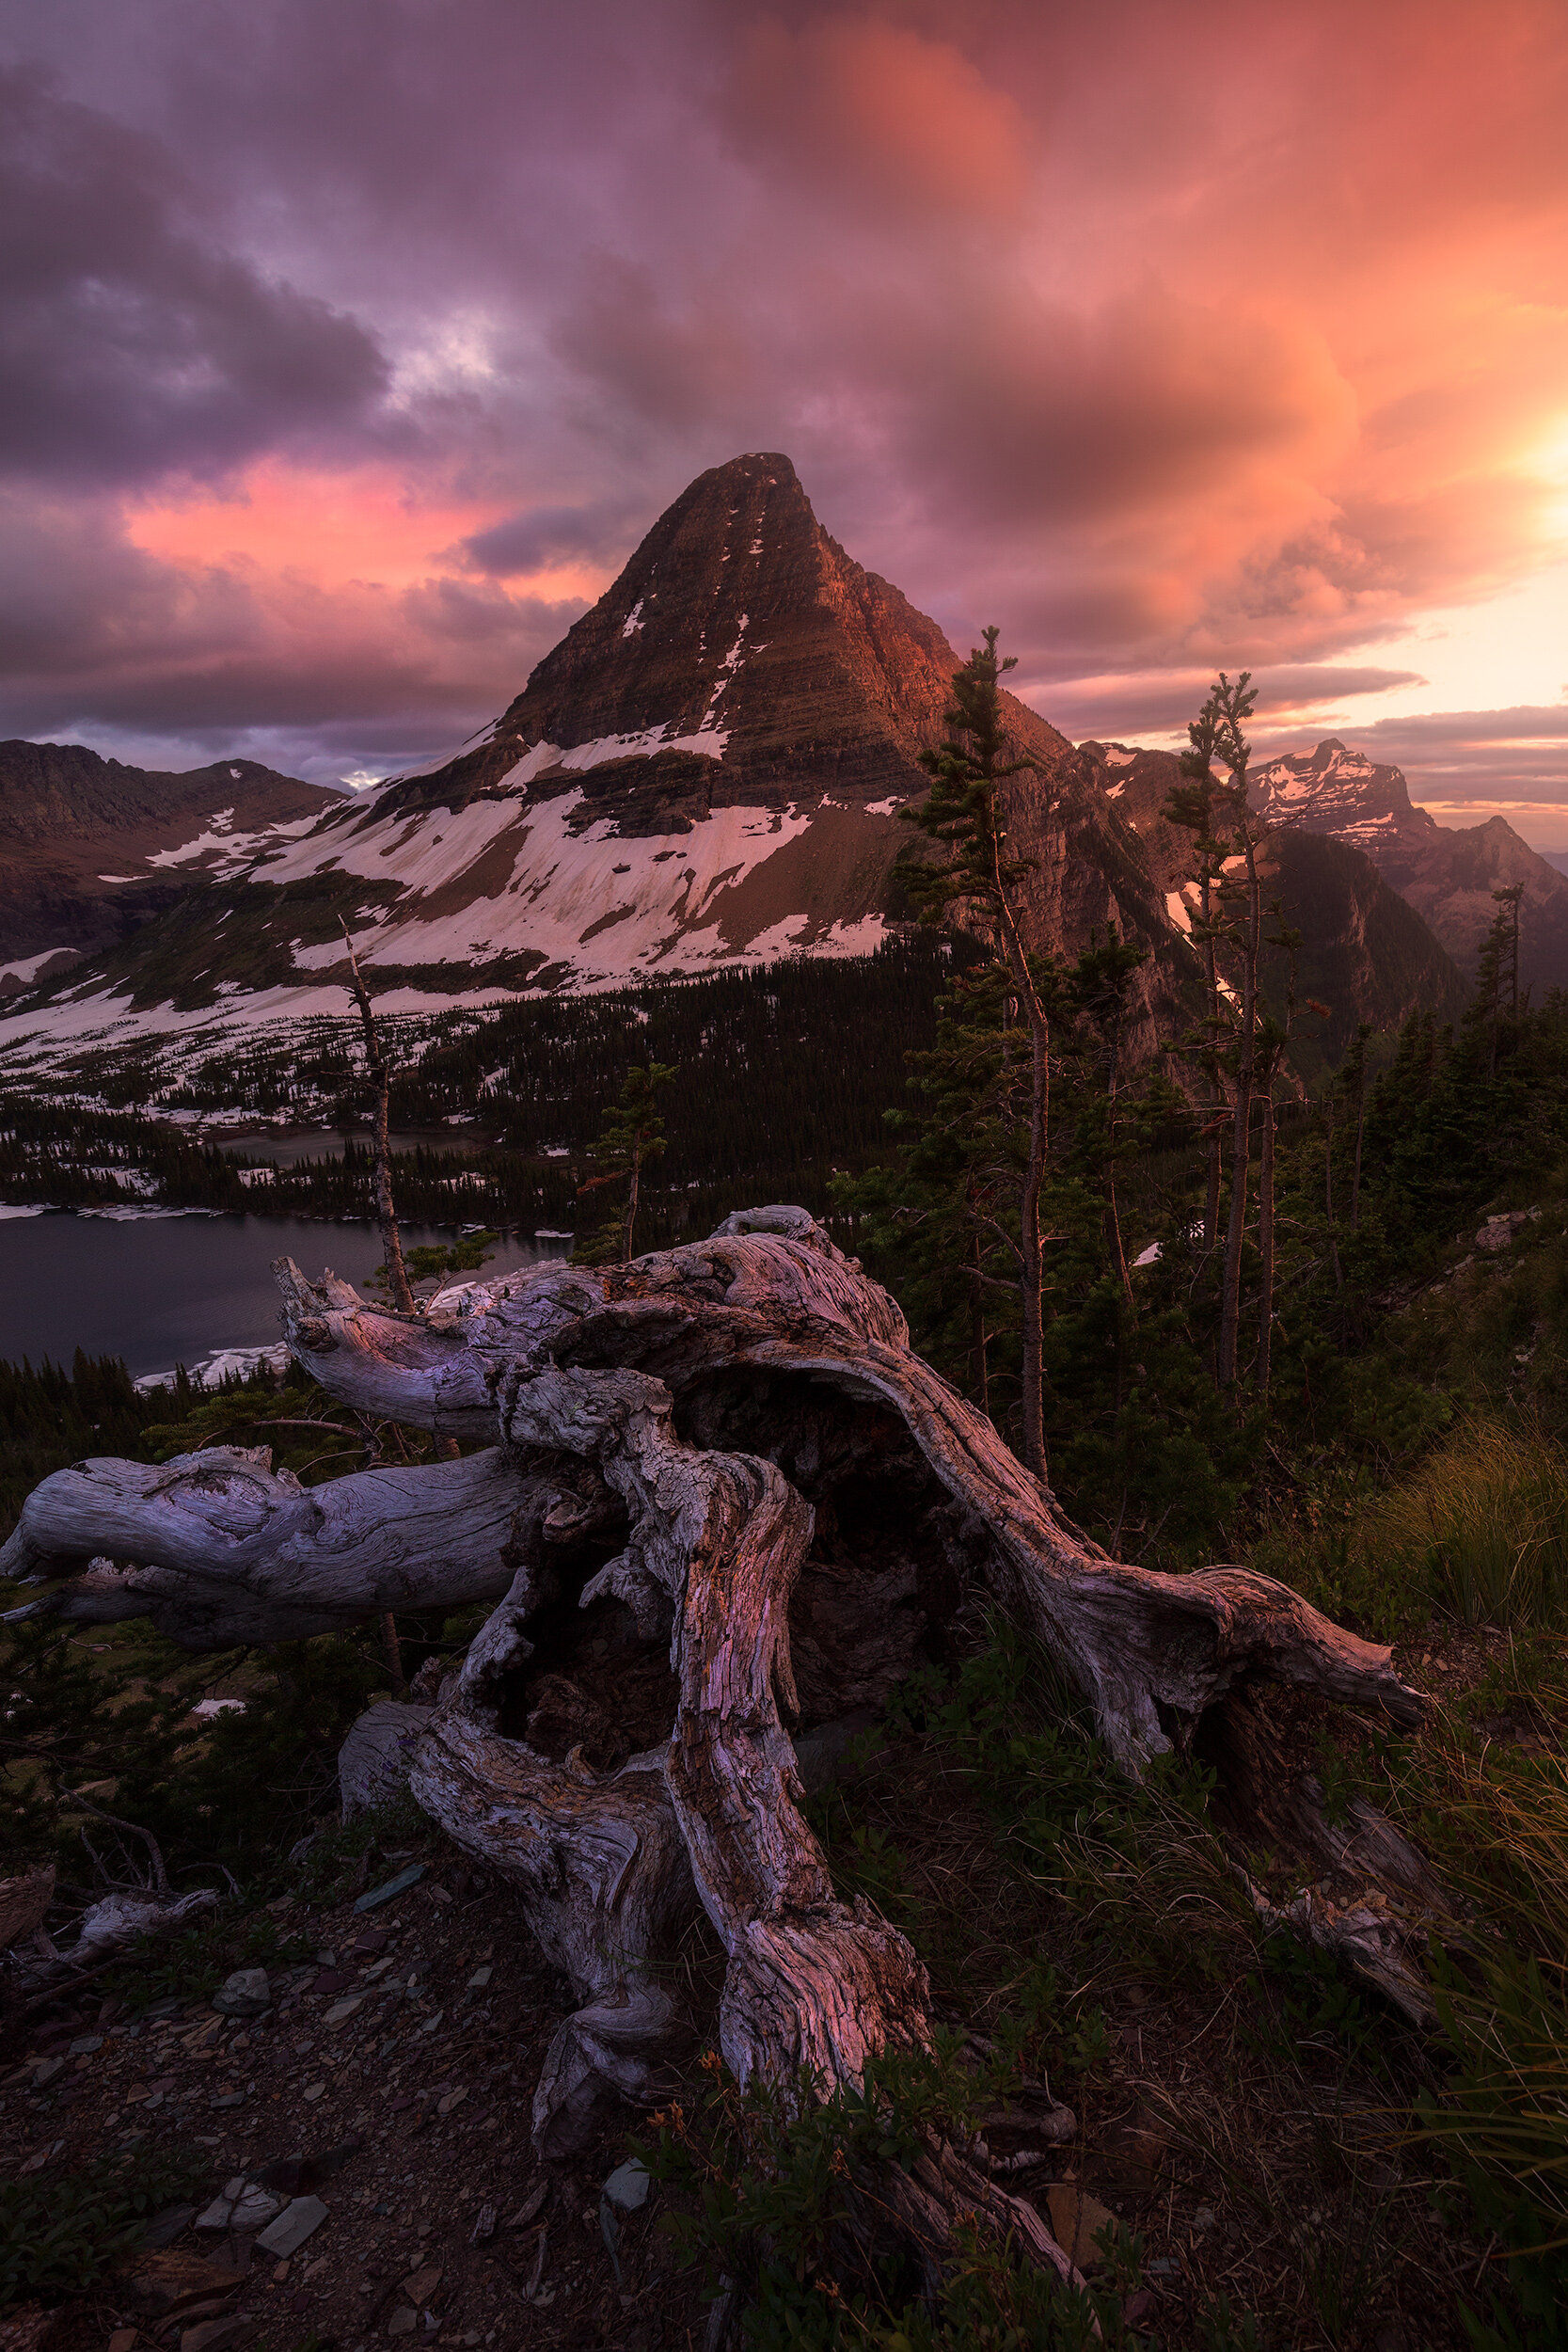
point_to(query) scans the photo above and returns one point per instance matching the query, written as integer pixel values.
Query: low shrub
(783, 2198)
(60, 2231)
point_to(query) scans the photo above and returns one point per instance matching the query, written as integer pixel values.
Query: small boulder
(245, 1993)
(1499, 1232)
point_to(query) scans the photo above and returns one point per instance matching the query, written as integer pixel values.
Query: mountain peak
(739, 658)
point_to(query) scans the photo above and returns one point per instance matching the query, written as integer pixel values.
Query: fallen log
(721, 1489)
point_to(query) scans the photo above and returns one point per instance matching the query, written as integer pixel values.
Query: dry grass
(1240, 2109)
(1496, 1807)
(1484, 1525)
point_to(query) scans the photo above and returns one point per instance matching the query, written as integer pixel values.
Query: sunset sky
(347, 347)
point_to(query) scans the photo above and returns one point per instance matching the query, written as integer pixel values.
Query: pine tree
(980, 882)
(630, 1134)
(1225, 714)
(1194, 806)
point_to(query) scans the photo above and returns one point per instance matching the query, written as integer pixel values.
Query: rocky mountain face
(1447, 874)
(91, 849)
(1366, 953)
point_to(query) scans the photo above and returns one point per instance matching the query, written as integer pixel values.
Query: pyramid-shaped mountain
(707, 770)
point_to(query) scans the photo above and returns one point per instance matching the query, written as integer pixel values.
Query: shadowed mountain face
(91, 849)
(1366, 953)
(1447, 874)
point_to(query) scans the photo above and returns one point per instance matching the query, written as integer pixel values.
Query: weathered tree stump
(718, 1484)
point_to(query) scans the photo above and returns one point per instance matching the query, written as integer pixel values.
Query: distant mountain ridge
(91, 848)
(1366, 953)
(1448, 874)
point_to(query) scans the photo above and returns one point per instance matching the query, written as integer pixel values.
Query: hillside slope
(91, 849)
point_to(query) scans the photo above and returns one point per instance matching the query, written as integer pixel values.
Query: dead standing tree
(399, 1289)
(721, 1488)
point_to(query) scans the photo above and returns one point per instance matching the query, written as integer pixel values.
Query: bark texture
(720, 1490)
(226, 1550)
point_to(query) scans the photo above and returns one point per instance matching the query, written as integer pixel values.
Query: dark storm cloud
(96, 630)
(130, 343)
(549, 536)
(1517, 756)
(1165, 339)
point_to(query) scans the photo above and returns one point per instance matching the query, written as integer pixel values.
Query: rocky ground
(364, 2142)
(361, 2169)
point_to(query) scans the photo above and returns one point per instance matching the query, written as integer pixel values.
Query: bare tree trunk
(1032, 1258)
(393, 1650)
(1113, 1214)
(630, 1219)
(1265, 1241)
(1241, 1132)
(1328, 1192)
(1031, 1252)
(979, 1377)
(1216, 1084)
(398, 1287)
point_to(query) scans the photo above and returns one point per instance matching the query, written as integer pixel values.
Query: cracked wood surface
(667, 1438)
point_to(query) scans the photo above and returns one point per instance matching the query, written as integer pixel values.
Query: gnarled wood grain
(226, 1550)
(669, 1441)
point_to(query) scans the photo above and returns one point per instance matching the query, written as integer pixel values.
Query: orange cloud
(366, 523)
(908, 123)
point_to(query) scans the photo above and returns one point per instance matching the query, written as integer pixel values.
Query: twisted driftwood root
(723, 1483)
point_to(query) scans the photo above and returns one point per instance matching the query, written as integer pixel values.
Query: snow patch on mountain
(577, 758)
(503, 876)
(225, 851)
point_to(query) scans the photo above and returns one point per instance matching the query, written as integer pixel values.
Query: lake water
(167, 1289)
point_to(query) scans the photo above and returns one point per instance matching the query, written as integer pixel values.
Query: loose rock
(399, 1886)
(245, 1993)
(1076, 2220)
(627, 2186)
(303, 2215)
